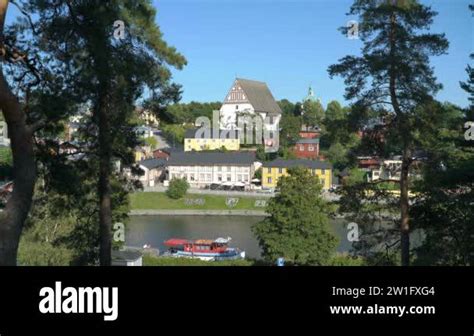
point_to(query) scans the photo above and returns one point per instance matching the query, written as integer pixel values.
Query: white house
(202, 169)
(387, 170)
(154, 170)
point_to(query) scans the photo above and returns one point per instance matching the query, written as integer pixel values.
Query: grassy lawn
(159, 201)
(162, 261)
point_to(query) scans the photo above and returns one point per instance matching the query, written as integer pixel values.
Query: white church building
(249, 97)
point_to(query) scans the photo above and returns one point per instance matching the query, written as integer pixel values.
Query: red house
(306, 149)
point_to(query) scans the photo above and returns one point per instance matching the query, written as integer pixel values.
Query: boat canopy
(203, 242)
(176, 242)
(222, 240)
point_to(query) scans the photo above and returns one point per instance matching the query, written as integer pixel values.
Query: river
(154, 230)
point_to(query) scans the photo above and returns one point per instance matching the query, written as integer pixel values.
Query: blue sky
(289, 44)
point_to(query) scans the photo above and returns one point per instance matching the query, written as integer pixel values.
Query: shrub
(177, 188)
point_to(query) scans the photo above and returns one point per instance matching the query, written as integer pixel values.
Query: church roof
(259, 96)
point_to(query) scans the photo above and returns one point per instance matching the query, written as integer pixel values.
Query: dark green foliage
(298, 228)
(389, 84)
(286, 106)
(313, 113)
(91, 73)
(177, 188)
(6, 163)
(290, 127)
(185, 112)
(443, 209)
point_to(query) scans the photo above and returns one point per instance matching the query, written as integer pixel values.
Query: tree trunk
(404, 207)
(406, 161)
(24, 166)
(104, 190)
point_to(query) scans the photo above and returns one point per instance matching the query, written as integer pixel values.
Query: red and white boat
(204, 249)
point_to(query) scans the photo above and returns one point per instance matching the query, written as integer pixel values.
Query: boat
(204, 249)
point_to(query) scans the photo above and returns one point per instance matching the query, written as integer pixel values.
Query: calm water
(155, 230)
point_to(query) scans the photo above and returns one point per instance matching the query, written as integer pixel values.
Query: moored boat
(204, 249)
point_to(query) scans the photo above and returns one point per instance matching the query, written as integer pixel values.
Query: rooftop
(307, 141)
(259, 95)
(128, 255)
(152, 163)
(211, 158)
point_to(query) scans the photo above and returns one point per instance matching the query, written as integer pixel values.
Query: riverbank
(196, 204)
(149, 260)
(185, 212)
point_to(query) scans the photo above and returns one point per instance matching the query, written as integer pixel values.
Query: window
(228, 169)
(201, 177)
(311, 148)
(271, 120)
(322, 181)
(236, 107)
(280, 170)
(323, 171)
(191, 177)
(269, 170)
(301, 148)
(269, 180)
(219, 178)
(219, 168)
(229, 178)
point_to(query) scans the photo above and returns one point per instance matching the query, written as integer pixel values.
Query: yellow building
(198, 140)
(142, 153)
(272, 171)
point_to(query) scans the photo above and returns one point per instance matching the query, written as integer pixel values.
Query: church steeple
(310, 96)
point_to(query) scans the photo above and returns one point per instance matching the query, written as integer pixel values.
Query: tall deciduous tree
(335, 122)
(298, 228)
(313, 113)
(393, 76)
